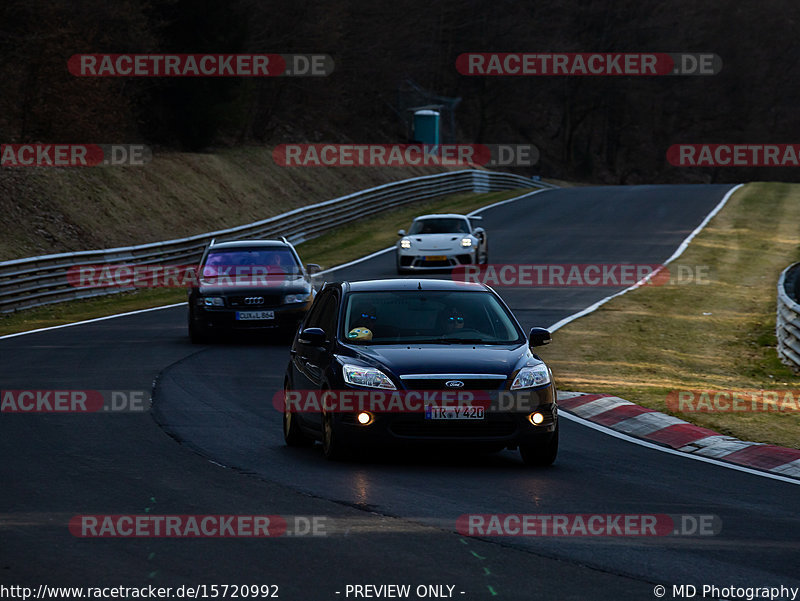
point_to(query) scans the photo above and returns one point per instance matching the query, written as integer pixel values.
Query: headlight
(367, 376)
(528, 377)
(466, 242)
(296, 298)
(214, 301)
(405, 243)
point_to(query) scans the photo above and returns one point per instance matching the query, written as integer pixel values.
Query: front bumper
(414, 260)
(218, 319)
(504, 425)
(496, 430)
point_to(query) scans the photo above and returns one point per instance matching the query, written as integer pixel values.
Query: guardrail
(36, 281)
(787, 326)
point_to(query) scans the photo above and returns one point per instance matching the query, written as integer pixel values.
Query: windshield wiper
(449, 341)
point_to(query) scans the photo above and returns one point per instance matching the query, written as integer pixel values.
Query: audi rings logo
(254, 300)
(454, 384)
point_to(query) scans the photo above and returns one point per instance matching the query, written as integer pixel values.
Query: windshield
(419, 316)
(277, 261)
(440, 225)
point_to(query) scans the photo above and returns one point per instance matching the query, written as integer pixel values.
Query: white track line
(656, 447)
(475, 212)
(85, 321)
(365, 258)
(508, 200)
(675, 255)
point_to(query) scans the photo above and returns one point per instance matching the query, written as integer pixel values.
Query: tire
(332, 446)
(485, 260)
(293, 436)
(540, 455)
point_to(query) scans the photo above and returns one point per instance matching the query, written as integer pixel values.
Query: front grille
(464, 259)
(240, 302)
(441, 384)
(405, 261)
(454, 429)
(423, 263)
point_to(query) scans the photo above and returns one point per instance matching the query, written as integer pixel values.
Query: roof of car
(432, 215)
(249, 244)
(411, 284)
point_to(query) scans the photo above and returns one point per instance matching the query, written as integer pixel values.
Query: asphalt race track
(212, 444)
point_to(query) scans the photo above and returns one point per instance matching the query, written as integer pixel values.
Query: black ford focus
(418, 362)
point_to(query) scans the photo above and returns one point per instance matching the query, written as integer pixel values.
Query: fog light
(536, 418)
(364, 418)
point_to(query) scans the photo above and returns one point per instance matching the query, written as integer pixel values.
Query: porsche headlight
(367, 376)
(528, 377)
(466, 242)
(405, 243)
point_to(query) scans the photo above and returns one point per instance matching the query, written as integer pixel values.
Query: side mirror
(312, 337)
(313, 268)
(539, 337)
(401, 232)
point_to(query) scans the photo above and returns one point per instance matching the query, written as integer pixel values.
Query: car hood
(279, 285)
(437, 241)
(449, 359)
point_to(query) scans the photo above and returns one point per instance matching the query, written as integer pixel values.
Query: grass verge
(333, 248)
(714, 336)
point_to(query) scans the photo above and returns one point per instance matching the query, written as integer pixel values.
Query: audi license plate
(465, 412)
(254, 315)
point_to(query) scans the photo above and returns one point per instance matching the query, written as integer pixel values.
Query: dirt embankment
(50, 210)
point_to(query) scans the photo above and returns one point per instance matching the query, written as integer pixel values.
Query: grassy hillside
(48, 210)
